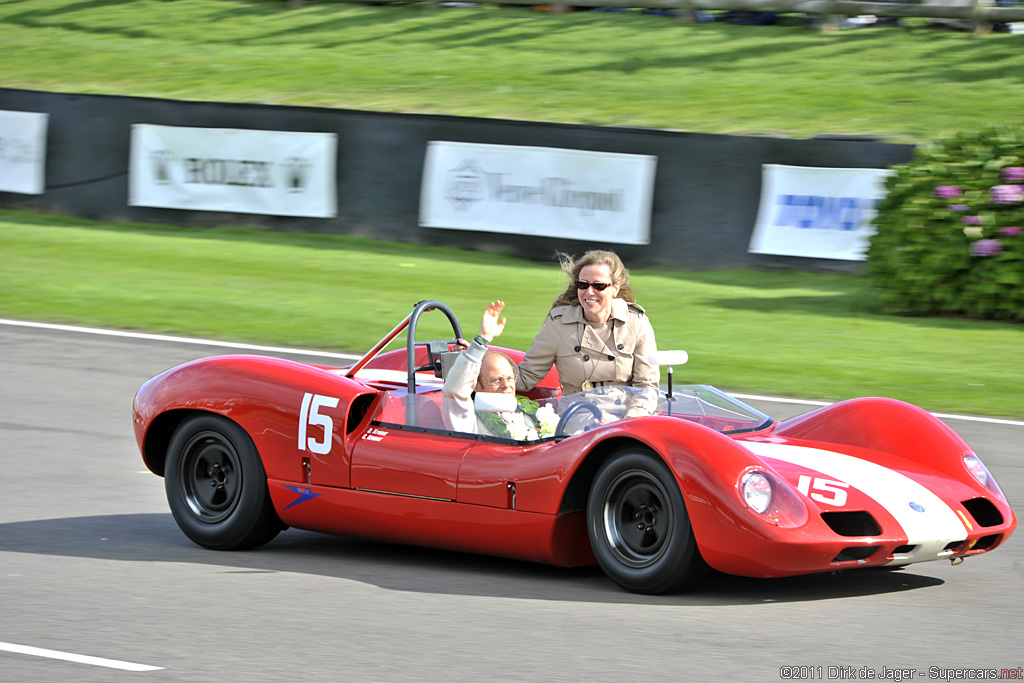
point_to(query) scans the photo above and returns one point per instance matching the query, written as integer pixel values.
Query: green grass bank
(622, 69)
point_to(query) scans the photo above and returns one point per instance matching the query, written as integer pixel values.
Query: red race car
(250, 445)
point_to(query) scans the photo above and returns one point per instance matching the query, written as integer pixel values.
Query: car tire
(638, 526)
(216, 485)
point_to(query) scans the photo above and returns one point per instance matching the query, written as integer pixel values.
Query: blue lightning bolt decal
(304, 495)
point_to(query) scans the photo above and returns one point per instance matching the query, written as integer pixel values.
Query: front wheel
(638, 526)
(216, 485)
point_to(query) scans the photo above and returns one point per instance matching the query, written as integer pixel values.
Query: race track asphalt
(91, 564)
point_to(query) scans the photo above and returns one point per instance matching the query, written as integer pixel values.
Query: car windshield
(571, 414)
(698, 403)
(712, 408)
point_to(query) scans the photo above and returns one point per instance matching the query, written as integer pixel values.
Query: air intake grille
(857, 523)
(983, 511)
(986, 542)
(861, 552)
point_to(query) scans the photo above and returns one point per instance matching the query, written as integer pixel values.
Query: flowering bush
(948, 236)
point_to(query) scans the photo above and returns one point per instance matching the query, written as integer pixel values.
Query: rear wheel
(639, 529)
(216, 485)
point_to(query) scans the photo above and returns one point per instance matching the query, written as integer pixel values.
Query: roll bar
(433, 348)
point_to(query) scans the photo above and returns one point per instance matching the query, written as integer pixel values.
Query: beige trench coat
(578, 352)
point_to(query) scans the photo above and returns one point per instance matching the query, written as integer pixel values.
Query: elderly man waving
(479, 370)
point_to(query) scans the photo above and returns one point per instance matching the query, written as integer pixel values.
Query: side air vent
(357, 411)
(861, 552)
(904, 549)
(983, 511)
(857, 523)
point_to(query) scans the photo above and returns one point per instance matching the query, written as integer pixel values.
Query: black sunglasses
(598, 286)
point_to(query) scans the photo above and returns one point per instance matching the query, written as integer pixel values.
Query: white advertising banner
(544, 191)
(22, 151)
(817, 212)
(277, 173)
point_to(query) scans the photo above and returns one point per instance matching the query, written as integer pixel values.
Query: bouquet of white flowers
(507, 425)
(547, 420)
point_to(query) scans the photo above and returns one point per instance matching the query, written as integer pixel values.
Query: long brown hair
(595, 257)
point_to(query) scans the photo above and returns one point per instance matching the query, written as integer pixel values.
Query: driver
(478, 369)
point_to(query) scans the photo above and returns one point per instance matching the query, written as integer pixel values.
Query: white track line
(180, 340)
(941, 416)
(78, 659)
(974, 418)
(349, 357)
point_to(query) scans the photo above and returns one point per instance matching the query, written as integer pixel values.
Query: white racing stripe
(79, 659)
(927, 521)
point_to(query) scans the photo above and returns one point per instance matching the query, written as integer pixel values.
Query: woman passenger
(595, 334)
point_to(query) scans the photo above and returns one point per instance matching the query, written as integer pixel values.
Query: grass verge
(789, 333)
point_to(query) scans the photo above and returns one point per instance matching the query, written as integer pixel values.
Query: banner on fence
(277, 173)
(817, 212)
(22, 152)
(540, 191)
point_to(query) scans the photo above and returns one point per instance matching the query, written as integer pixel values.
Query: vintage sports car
(250, 445)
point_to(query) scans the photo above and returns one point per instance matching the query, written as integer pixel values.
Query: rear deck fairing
(267, 397)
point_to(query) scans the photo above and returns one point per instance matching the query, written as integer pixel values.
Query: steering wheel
(571, 412)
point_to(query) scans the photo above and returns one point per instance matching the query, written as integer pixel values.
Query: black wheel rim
(638, 518)
(210, 476)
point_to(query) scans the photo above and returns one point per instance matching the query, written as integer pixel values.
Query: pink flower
(1011, 231)
(1013, 174)
(947, 191)
(1007, 194)
(971, 220)
(958, 207)
(986, 247)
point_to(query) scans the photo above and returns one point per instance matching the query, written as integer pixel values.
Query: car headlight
(978, 470)
(770, 498)
(974, 466)
(757, 491)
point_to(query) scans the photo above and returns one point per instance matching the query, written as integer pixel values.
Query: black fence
(705, 203)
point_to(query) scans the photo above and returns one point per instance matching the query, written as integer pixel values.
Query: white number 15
(309, 414)
(821, 489)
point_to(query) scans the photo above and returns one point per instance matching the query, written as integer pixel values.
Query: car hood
(834, 481)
